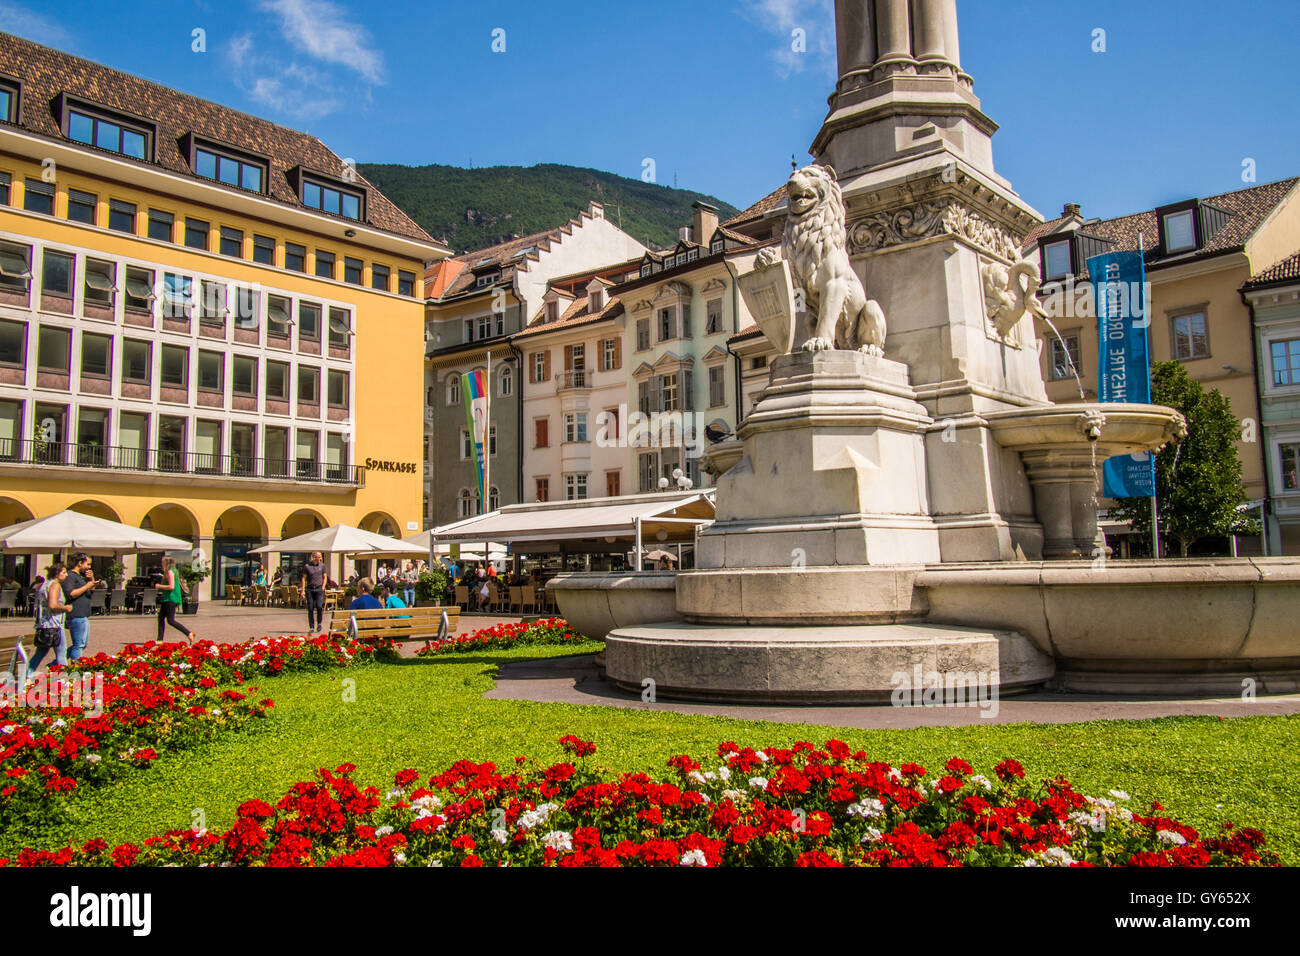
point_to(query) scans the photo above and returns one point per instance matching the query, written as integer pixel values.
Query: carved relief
(928, 219)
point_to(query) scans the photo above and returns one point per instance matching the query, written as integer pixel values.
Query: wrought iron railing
(113, 458)
(573, 378)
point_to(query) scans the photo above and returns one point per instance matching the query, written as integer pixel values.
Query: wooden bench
(395, 624)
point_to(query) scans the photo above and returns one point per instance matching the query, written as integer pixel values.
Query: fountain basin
(595, 604)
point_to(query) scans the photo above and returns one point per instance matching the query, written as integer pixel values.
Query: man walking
(81, 581)
(313, 589)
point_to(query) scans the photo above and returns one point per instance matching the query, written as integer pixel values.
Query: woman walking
(51, 614)
(170, 599)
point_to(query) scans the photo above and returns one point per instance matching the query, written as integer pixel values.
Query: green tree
(1198, 480)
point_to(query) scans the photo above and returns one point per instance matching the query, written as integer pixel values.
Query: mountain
(473, 208)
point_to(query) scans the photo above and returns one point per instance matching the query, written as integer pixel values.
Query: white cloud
(291, 89)
(816, 18)
(22, 22)
(322, 30)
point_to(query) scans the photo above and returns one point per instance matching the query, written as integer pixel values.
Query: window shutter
(546, 365)
(542, 436)
(688, 390)
(643, 397)
(532, 368)
(618, 353)
(568, 358)
(685, 310)
(656, 394)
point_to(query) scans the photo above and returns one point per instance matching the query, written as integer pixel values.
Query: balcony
(577, 379)
(147, 464)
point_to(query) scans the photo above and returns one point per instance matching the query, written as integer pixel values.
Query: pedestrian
(365, 601)
(260, 578)
(81, 581)
(314, 577)
(50, 616)
(172, 593)
(408, 584)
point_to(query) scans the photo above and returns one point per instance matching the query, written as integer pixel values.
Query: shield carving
(769, 295)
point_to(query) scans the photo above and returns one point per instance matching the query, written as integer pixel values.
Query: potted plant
(193, 573)
(431, 587)
(114, 574)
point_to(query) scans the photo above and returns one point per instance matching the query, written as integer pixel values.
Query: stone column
(893, 36)
(855, 32)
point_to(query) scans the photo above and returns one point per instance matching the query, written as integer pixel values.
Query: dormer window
(552, 311)
(9, 90)
(1058, 259)
(331, 198)
(716, 247)
(486, 280)
(1180, 231)
(226, 166)
(114, 132)
(597, 300)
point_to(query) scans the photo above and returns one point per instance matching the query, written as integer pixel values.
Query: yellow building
(1199, 254)
(209, 324)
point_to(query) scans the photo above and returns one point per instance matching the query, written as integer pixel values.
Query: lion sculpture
(815, 247)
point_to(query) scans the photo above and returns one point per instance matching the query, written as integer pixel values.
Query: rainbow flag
(475, 395)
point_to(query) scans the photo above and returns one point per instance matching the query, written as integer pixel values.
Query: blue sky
(712, 91)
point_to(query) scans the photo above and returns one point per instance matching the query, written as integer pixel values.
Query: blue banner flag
(1124, 360)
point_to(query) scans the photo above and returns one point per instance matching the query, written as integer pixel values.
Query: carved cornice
(927, 220)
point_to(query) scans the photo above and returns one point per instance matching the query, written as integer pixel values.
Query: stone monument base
(859, 664)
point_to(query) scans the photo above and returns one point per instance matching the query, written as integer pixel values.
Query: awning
(672, 517)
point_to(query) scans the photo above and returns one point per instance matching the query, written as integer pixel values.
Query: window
(484, 327)
(308, 385)
(541, 366)
(453, 390)
(278, 318)
(543, 486)
(13, 341)
(1180, 231)
(139, 289)
(99, 284)
(212, 368)
(642, 334)
(264, 250)
(340, 327)
(52, 349)
(213, 302)
(467, 445)
(1065, 358)
(38, 196)
(379, 277)
(1057, 261)
(1290, 456)
(207, 447)
(135, 362)
(5, 182)
(337, 389)
(611, 355)
(277, 381)
(177, 291)
(243, 375)
(541, 433)
(121, 216)
(1286, 362)
(161, 225)
(575, 487)
(295, 257)
(757, 362)
(613, 479)
(309, 321)
(232, 242)
(713, 317)
(352, 269)
(15, 266)
(108, 133)
(56, 273)
(247, 307)
(507, 379)
(1191, 337)
(667, 325)
(465, 503)
(668, 393)
(196, 234)
(8, 103)
(405, 283)
(175, 364)
(305, 446)
(171, 443)
(229, 170)
(552, 311)
(575, 427)
(331, 199)
(325, 264)
(81, 206)
(96, 355)
(717, 386)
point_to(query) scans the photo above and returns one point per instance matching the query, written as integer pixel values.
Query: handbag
(47, 638)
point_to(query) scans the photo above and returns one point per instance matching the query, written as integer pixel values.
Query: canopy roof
(672, 517)
(73, 531)
(424, 539)
(344, 539)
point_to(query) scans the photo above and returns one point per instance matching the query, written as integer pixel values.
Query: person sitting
(277, 577)
(390, 595)
(365, 601)
(260, 578)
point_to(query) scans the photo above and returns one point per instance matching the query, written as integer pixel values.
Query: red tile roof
(759, 210)
(46, 73)
(577, 314)
(1285, 272)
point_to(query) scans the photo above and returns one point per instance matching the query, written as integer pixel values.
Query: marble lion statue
(815, 247)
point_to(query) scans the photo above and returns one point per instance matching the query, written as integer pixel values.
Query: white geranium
(399, 858)
(759, 783)
(867, 809)
(1170, 837)
(395, 794)
(435, 863)
(559, 840)
(93, 758)
(696, 777)
(427, 802)
(981, 781)
(499, 835)
(724, 774)
(1119, 795)
(872, 835)
(383, 831)
(694, 858)
(735, 796)
(531, 818)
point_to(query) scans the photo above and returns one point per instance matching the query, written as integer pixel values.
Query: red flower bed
(552, 630)
(803, 806)
(156, 698)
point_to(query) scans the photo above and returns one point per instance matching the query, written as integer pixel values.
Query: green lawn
(428, 713)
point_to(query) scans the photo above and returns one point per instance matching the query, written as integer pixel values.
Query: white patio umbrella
(421, 541)
(72, 531)
(344, 539)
